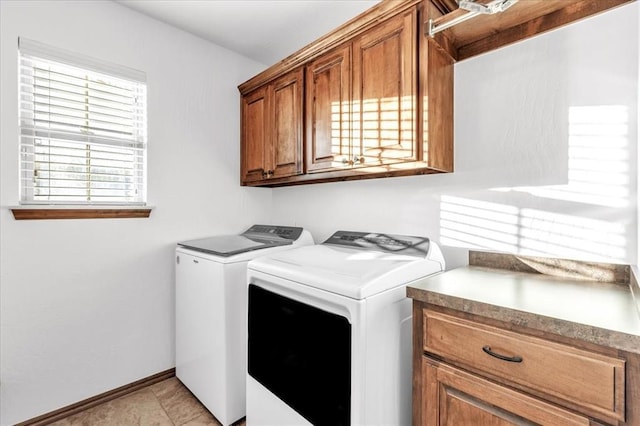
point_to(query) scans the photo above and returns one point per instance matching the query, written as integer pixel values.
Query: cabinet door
(385, 92)
(286, 138)
(328, 100)
(453, 397)
(255, 141)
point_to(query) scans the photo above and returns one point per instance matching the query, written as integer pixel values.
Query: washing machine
(329, 329)
(211, 312)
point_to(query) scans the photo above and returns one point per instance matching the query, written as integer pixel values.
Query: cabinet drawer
(592, 381)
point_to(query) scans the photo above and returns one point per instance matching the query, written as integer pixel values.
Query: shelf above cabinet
(525, 19)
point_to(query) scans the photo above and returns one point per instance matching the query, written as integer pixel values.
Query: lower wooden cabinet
(473, 371)
(591, 382)
(453, 397)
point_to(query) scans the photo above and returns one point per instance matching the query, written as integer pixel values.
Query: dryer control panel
(397, 244)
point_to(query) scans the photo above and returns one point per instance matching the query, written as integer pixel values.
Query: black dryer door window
(301, 354)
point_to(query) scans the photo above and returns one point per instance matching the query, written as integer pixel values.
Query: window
(83, 136)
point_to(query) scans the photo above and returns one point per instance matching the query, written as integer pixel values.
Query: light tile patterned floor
(166, 403)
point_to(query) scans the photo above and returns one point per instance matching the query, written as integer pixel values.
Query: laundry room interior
(543, 141)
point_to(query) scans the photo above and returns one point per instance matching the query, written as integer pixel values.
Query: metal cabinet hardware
(487, 350)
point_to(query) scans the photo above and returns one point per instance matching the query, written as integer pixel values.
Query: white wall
(553, 120)
(87, 305)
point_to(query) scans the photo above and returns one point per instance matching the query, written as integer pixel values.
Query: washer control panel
(268, 231)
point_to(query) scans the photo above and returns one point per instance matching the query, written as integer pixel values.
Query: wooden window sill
(76, 212)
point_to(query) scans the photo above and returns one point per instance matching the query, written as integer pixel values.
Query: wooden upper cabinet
(385, 93)
(367, 105)
(287, 124)
(255, 148)
(362, 100)
(374, 98)
(328, 103)
(271, 136)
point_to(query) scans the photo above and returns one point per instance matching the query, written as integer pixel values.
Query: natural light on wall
(598, 158)
(542, 232)
(478, 224)
(598, 176)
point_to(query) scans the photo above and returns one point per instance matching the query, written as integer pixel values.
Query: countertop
(586, 301)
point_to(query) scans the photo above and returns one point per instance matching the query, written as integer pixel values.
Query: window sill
(79, 212)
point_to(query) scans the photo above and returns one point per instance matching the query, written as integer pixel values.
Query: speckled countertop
(586, 301)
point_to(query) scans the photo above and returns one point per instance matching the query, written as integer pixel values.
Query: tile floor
(165, 403)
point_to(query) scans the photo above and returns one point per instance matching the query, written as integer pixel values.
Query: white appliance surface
(239, 248)
(348, 271)
(232, 243)
(368, 288)
(271, 410)
(211, 310)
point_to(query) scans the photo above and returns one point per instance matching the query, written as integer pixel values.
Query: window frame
(31, 208)
(73, 212)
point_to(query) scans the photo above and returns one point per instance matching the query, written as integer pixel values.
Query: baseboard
(72, 409)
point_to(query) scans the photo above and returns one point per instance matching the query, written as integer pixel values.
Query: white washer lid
(350, 272)
(304, 239)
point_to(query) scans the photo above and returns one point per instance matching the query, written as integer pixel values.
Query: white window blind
(83, 135)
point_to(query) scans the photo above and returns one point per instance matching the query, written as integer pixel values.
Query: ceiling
(266, 31)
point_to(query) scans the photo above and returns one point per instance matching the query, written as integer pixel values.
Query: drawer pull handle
(487, 350)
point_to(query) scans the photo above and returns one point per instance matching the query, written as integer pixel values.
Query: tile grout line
(163, 409)
(173, 421)
(155, 395)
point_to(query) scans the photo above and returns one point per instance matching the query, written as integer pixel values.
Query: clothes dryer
(329, 330)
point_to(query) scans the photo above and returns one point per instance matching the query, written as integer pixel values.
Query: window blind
(83, 136)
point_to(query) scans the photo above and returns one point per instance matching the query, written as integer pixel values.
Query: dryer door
(302, 355)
